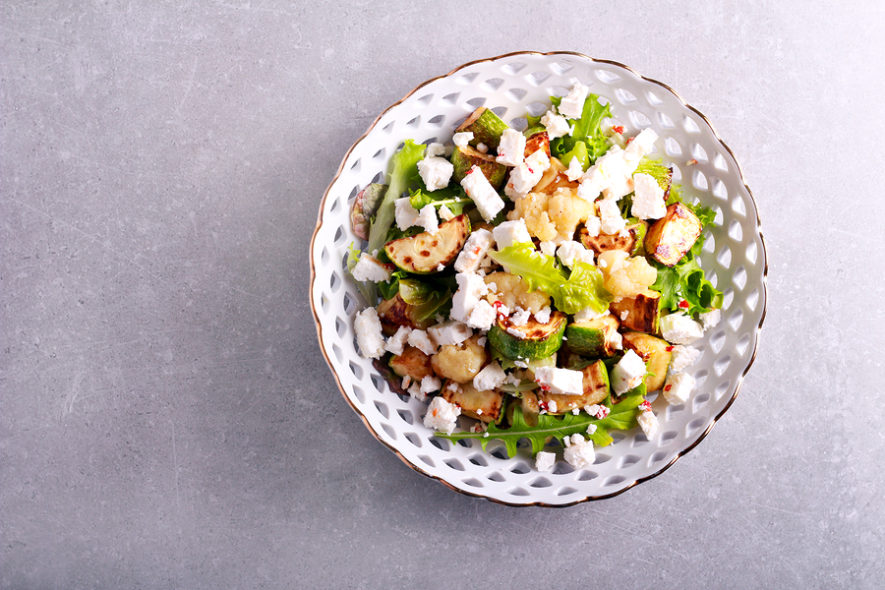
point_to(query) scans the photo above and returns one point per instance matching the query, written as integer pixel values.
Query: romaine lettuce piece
(403, 176)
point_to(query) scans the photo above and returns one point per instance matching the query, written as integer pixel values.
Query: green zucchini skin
(593, 338)
(538, 341)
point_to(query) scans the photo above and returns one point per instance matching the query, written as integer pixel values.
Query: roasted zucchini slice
(596, 389)
(486, 127)
(538, 141)
(485, 406)
(533, 340)
(640, 313)
(593, 338)
(463, 159)
(631, 241)
(654, 351)
(424, 253)
(673, 235)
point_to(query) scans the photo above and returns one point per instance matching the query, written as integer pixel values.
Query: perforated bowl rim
(763, 295)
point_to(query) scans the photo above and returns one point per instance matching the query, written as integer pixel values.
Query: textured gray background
(167, 420)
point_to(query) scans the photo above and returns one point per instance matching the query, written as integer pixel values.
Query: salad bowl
(733, 257)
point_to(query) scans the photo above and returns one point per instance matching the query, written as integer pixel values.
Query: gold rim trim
(740, 380)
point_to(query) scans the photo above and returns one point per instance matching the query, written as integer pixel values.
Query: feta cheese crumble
(462, 139)
(511, 232)
(420, 340)
(649, 424)
(524, 177)
(520, 316)
(445, 213)
(542, 316)
(442, 416)
(471, 287)
(710, 319)
(427, 219)
(628, 373)
(556, 125)
(451, 332)
(648, 198)
(369, 268)
(490, 377)
(483, 194)
(610, 216)
(578, 451)
(679, 328)
(571, 252)
(477, 246)
(545, 461)
(397, 342)
(435, 149)
(511, 148)
(682, 357)
(369, 338)
(405, 215)
(562, 381)
(575, 170)
(435, 172)
(572, 105)
(678, 388)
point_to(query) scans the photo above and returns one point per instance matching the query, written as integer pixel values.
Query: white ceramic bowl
(734, 258)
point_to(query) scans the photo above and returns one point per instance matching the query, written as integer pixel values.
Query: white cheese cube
(415, 391)
(678, 388)
(406, 216)
(543, 315)
(710, 319)
(679, 328)
(556, 125)
(471, 287)
(435, 149)
(520, 317)
(610, 216)
(648, 198)
(477, 187)
(545, 461)
(369, 268)
(588, 313)
(628, 373)
(649, 424)
(571, 252)
(548, 248)
(474, 250)
(369, 338)
(563, 381)
(593, 225)
(572, 105)
(578, 451)
(511, 232)
(427, 219)
(421, 340)
(482, 148)
(397, 342)
(483, 316)
(442, 416)
(445, 213)
(462, 139)
(682, 357)
(575, 170)
(491, 377)
(641, 145)
(435, 172)
(521, 181)
(511, 148)
(592, 183)
(451, 332)
(430, 384)
(538, 160)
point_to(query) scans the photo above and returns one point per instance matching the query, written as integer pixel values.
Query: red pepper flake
(531, 171)
(476, 250)
(691, 162)
(669, 349)
(542, 405)
(645, 406)
(498, 304)
(684, 304)
(618, 129)
(628, 141)
(602, 412)
(468, 172)
(668, 387)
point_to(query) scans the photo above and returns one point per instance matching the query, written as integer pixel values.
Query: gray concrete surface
(166, 419)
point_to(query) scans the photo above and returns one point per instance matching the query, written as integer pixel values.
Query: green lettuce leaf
(427, 299)
(587, 130)
(403, 176)
(581, 288)
(452, 197)
(622, 416)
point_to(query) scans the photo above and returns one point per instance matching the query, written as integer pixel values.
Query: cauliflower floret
(625, 276)
(512, 291)
(566, 209)
(459, 362)
(533, 209)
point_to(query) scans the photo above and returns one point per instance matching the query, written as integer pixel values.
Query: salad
(534, 285)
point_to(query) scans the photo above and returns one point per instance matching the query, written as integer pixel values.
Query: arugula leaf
(452, 197)
(390, 287)
(403, 175)
(622, 416)
(586, 130)
(582, 288)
